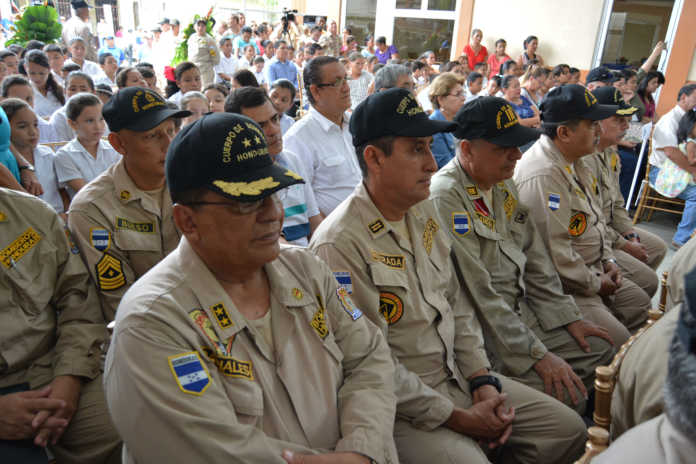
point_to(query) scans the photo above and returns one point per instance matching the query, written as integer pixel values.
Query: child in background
(24, 125)
(104, 92)
(48, 94)
(17, 86)
(197, 104)
(67, 69)
(75, 83)
(247, 61)
(283, 95)
(78, 50)
(259, 63)
(109, 66)
(3, 70)
(187, 78)
(56, 59)
(130, 77)
(216, 95)
(10, 60)
(87, 155)
(150, 78)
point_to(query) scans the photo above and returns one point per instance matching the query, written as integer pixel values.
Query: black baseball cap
(175, 22)
(164, 21)
(611, 96)
(227, 154)
(393, 112)
(600, 74)
(573, 101)
(138, 109)
(494, 120)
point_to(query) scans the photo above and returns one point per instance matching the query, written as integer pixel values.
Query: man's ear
(185, 221)
(373, 159)
(563, 133)
(117, 142)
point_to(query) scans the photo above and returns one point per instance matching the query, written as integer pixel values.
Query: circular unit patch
(391, 307)
(578, 224)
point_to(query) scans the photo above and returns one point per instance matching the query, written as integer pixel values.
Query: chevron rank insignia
(110, 273)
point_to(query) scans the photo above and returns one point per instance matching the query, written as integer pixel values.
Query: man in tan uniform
(536, 333)
(52, 331)
(637, 254)
(670, 437)
(203, 52)
(237, 349)
(386, 245)
(555, 182)
(122, 220)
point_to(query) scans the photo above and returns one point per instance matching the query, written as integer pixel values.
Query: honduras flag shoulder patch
(554, 201)
(100, 238)
(189, 372)
(344, 280)
(461, 224)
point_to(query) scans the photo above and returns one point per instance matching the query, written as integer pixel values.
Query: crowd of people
(291, 248)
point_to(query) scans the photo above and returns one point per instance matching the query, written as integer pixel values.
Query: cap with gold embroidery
(572, 101)
(610, 95)
(225, 153)
(393, 112)
(138, 109)
(494, 120)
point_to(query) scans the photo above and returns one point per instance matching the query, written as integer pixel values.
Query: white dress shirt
(226, 66)
(328, 156)
(665, 135)
(62, 130)
(45, 106)
(90, 68)
(73, 161)
(44, 163)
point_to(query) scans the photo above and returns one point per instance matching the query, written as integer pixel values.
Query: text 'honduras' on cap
(393, 112)
(227, 154)
(138, 109)
(494, 120)
(572, 101)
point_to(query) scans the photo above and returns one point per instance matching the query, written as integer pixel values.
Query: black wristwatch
(481, 380)
(28, 167)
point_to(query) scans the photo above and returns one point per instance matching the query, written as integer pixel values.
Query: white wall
(567, 29)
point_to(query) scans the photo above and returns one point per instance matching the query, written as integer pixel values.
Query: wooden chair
(605, 381)
(649, 199)
(55, 146)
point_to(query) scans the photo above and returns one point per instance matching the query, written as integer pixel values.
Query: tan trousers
(91, 437)
(562, 344)
(543, 431)
(621, 314)
(640, 273)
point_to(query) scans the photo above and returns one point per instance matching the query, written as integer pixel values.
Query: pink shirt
(474, 57)
(494, 64)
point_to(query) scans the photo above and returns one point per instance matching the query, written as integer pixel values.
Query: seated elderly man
(638, 252)
(393, 75)
(555, 182)
(53, 331)
(665, 146)
(235, 348)
(670, 437)
(387, 247)
(536, 332)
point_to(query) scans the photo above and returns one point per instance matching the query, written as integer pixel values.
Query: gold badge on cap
(589, 98)
(506, 117)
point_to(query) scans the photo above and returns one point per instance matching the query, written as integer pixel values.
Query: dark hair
(643, 85)
(551, 128)
(181, 68)
(278, 43)
(686, 125)
(77, 39)
(12, 80)
(122, 76)
(38, 57)
(104, 89)
(500, 41)
(224, 39)
(145, 71)
(103, 56)
(558, 69)
(687, 90)
(70, 67)
(77, 103)
(5, 53)
(219, 87)
(381, 39)
(480, 64)
(12, 105)
(355, 56)
(245, 29)
(386, 144)
(316, 28)
(528, 40)
(245, 97)
(16, 49)
(313, 48)
(284, 84)
(498, 79)
(576, 70)
(54, 48)
(448, 66)
(81, 75)
(245, 78)
(417, 65)
(505, 81)
(311, 74)
(505, 67)
(628, 73)
(259, 59)
(32, 45)
(145, 64)
(471, 78)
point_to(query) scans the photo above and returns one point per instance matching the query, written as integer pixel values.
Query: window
(413, 36)
(445, 5)
(409, 4)
(360, 18)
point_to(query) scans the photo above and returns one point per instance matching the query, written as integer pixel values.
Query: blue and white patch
(554, 201)
(344, 280)
(189, 372)
(461, 223)
(100, 238)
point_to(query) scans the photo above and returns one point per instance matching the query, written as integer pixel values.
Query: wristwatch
(610, 260)
(28, 167)
(481, 380)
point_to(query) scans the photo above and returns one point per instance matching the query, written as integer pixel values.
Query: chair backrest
(55, 146)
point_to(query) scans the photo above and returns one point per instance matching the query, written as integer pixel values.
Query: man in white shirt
(321, 139)
(665, 146)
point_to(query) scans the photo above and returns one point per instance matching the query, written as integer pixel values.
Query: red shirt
(474, 58)
(494, 64)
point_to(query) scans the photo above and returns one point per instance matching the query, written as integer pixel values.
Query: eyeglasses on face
(244, 207)
(340, 81)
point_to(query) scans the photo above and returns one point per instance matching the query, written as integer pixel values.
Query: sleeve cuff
(437, 415)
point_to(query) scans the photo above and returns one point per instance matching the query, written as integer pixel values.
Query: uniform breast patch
(431, 227)
(19, 247)
(393, 261)
(142, 227)
(509, 204)
(110, 273)
(200, 318)
(222, 316)
(347, 304)
(578, 224)
(554, 201)
(229, 366)
(189, 372)
(461, 223)
(486, 220)
(100, 239)
(391, 307)
(319, 321)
